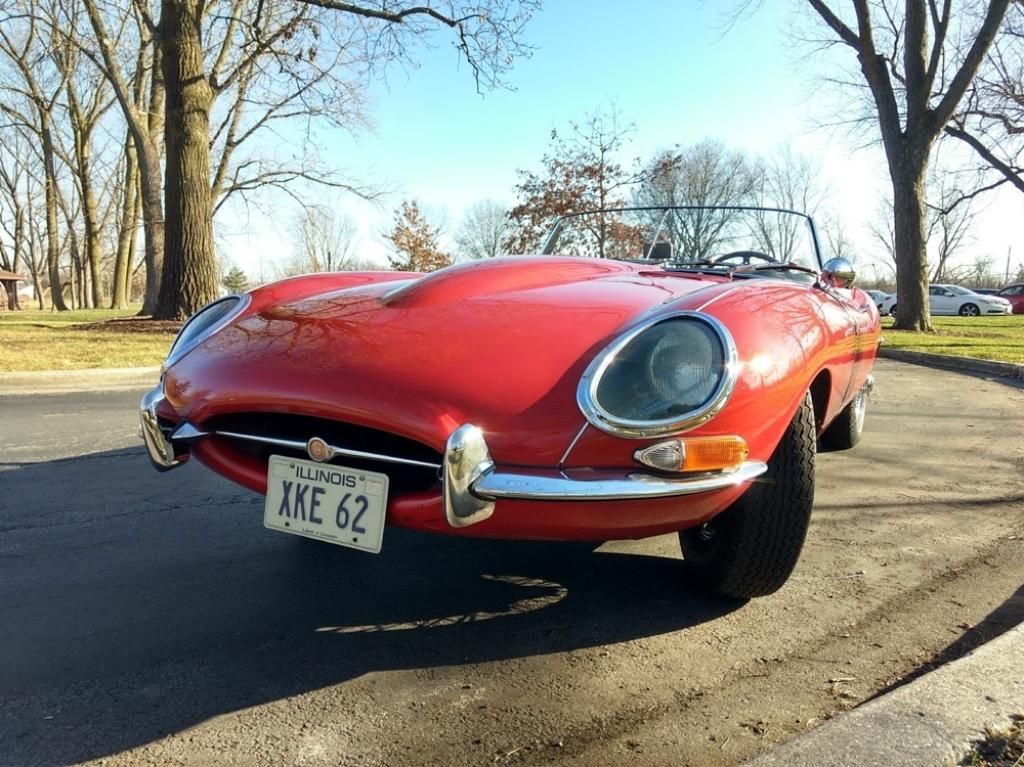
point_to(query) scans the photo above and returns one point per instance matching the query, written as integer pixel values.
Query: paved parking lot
(150, 619)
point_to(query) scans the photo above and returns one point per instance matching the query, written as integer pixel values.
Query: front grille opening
(401, 478)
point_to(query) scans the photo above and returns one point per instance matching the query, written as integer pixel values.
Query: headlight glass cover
(204, 324)
(664, 377)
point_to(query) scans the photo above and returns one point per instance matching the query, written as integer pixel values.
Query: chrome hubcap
(859, 406)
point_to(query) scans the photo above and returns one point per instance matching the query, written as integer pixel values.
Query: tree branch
(845, 33)
(397, 17)
(1010, 174)
(968, 68)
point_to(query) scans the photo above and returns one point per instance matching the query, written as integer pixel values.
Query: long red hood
(499, 343)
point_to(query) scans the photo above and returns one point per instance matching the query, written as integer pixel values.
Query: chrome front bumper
(471, 482)
(161, 451)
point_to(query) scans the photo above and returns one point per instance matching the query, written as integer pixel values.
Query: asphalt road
(150, 619)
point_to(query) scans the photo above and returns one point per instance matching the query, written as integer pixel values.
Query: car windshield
(956, 290)
(717, 237)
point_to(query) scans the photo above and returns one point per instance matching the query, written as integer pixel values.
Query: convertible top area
(710, 236)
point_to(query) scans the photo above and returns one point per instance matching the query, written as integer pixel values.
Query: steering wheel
(744, 257)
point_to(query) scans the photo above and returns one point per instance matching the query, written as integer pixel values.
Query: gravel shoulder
(149, 619)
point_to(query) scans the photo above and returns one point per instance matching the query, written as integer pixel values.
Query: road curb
(966, 364)
(930, 722)
(70, 381)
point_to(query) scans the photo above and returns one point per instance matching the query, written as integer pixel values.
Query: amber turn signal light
(695, 454)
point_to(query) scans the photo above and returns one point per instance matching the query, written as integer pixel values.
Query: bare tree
(14, 190)
(143, 111)
(582, 170)
(978, 273)
(789, 180)
(704, 174)
(325, 239)
(918, 62)
(87, 99)
(949, 225)
(127, 220)
(835, 238)
(32, 90)
(483, 230)
(21, 199)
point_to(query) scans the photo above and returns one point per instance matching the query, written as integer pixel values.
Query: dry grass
(989, 338)
(1003, 748)
(75, 340)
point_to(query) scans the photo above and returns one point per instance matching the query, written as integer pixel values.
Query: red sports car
(1015, 295)
(654, 370)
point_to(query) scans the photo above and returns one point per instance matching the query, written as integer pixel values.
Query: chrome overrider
(161, 451)
(471, 482)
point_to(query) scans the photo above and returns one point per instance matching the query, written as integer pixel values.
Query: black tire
(969, 310)
(846, 429)
(750, 549)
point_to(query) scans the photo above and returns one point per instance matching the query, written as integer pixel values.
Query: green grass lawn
(43, 340)
(989, 338)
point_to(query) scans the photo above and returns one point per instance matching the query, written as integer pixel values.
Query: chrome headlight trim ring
(586, 392)
(242, 301)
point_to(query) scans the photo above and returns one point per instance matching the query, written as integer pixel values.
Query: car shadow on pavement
(139, 605)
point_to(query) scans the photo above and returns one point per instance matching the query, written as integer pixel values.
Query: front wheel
(969, 310)
(846, 429)
(750, 549)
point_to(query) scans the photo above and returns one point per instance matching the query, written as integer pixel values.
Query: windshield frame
(557, 224)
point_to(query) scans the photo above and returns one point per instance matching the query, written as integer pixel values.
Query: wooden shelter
(9, 281)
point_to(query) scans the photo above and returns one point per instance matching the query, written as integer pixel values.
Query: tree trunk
(37, 291)
(19, 243)
(152, 224)
(126, 228)
(912, 307)
(133, 240)
(76, 278)
(150, 179)
(189, 279)
(50, 189)
(90, 220)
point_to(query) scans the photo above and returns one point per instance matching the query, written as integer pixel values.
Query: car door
(851, 316)
(940, 300)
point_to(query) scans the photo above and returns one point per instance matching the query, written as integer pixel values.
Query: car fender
(787, 336)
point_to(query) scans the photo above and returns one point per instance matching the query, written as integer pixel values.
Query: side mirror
(838, 273)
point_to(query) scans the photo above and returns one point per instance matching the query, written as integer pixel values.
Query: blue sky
(670, 67)
(659, 62)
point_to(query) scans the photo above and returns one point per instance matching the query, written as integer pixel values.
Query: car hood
(500, 343)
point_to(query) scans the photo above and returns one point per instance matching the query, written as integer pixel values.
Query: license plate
(327, 502)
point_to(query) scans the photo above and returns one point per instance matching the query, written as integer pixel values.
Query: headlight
(204, 324)
(663, 377)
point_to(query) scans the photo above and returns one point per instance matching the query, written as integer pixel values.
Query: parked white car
(878, 296)
(953, 299)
